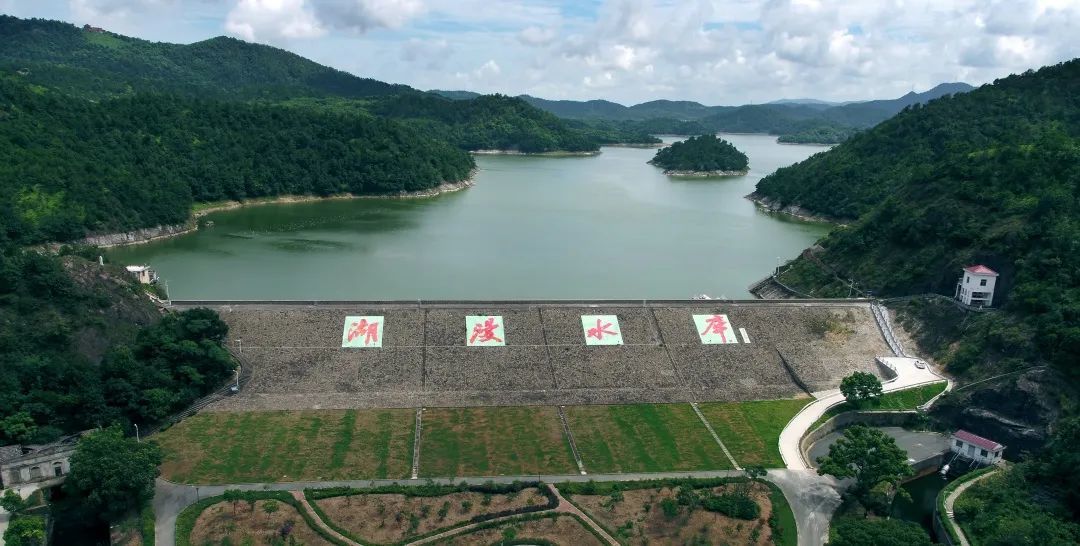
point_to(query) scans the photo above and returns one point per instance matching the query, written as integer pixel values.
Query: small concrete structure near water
(920, 445)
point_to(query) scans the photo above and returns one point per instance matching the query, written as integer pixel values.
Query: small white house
(143, 273)
(976, 287)
(973, 446)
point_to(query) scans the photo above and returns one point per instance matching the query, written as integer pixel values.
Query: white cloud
(431, 54)
(537, 36)
(713, 51)
(273, 20)
(277, 20)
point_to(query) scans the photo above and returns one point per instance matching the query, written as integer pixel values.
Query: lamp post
(240, 342)
(137, 439)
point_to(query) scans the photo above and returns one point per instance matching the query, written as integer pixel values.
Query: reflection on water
(608, 226)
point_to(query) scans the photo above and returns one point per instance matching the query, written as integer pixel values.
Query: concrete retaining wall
(848, 418)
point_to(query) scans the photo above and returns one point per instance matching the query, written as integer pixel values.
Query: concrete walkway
(907, 375)
(951, 500)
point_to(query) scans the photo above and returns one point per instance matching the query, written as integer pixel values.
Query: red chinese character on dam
(716, 324)
(600, 329)
(484, 332)
(370, 331)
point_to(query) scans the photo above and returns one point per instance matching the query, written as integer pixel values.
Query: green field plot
(643, 438)
(907, 399)
(281, 446)
(751, 430)
(494, 441)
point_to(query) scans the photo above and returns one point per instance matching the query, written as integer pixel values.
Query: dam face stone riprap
(298, 362)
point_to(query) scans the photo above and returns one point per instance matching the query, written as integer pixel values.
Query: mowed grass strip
(276, 446)
(751, 430)
(493, 441)
(643, 438)
(906, 399)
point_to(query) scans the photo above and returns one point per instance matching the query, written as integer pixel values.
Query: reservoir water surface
(607, 226)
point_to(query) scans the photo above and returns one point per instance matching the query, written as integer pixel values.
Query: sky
(718, 52)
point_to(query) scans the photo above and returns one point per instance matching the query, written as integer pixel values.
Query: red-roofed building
(973, 446)
(976, 286)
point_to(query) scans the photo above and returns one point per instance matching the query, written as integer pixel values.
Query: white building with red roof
(975, 447)
(976, 286)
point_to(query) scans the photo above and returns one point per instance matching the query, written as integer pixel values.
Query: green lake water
(608, 226)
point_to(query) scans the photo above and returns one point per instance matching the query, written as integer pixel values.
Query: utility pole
(240, 342)
(137, 439)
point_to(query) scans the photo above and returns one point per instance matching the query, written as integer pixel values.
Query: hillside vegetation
(96, 65)
(75, 167)
(992, 176)
(101, 65)
(82, 347)
(701, 154)
(796, 122)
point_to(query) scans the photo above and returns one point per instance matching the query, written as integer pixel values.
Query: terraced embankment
(298, 362)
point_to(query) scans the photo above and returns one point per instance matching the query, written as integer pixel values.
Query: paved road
(813, 499)
(171, 498)
(907, 376)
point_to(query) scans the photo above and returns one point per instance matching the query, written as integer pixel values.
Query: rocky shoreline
(537, 154)
(703, 174)
(791, 210)
(146, 235)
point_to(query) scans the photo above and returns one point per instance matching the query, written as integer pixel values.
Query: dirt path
(564, 507)
(299, 496)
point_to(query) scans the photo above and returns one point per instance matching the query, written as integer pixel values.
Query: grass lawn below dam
(313, 445)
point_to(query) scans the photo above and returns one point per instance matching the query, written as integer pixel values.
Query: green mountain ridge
(992, 177)
(103, 64)
(987, 177)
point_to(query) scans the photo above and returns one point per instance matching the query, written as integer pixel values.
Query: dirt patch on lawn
(385, 518)
(241, 523)
(638, 519)
(561, 529)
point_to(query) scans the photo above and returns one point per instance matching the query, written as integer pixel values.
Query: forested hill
(102, 64)
(72, 167)
(992, 177)
(700, 155)
(851, 179)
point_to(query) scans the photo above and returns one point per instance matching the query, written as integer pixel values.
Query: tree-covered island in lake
(704, 155)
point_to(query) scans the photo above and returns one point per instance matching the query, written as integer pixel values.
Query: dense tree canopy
(81, 350)
(704, 153)
(866, 454)
(104, 64)
(854, 531)
(860, 387)
(992, 177)
(75, 167)
(111, 474)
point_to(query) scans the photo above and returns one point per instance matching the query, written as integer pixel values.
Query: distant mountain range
(789, 117)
